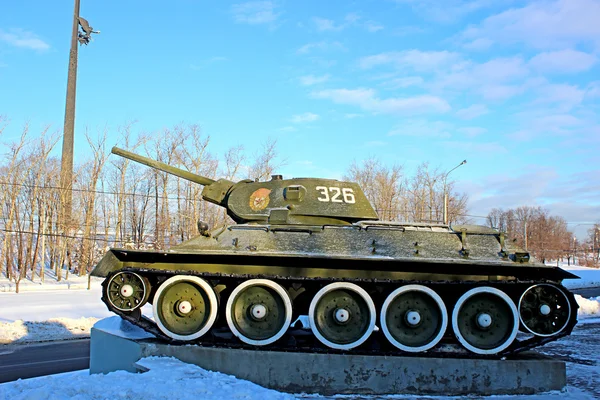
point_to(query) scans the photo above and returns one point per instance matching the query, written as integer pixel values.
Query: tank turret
(299, 201)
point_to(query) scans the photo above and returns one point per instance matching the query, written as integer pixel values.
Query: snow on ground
(36, 316)
(42, 305)
(169, 378)
(50, 282)
(588, 277)
(53, 329)
(588, 307)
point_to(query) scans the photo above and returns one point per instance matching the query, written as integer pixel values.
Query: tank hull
(363, 266)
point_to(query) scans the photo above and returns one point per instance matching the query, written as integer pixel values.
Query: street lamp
(446, 192)
(596, 244)
(574, 248)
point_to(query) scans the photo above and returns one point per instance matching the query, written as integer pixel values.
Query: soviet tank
(309, 267)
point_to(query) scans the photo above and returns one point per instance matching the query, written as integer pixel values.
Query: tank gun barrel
(163, 167)
(278, 201)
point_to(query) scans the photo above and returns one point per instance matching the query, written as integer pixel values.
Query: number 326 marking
(336, 195)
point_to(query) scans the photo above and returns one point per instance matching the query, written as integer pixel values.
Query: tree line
(119, 203)
(116, 203)
(546, 236)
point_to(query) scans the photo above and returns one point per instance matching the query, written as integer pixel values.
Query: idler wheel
(414, 318)
(259, 312)
(342, 315)
(185, 307)
(544, 310)
(485, 320)
(127, 291)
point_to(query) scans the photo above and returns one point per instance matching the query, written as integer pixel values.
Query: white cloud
(352, 115)
(593, 90)
(375, 143)
(474, 111)
(446, 11)
(501, 69)
(367, 100)
(422, 128)
(542, 24)
(350, 20)
(478, 44)
(255, 12)
(373, 26)
(494, 80)
(24, 39)
(500, 92)
(472, 131)
(322, 46)
(414, 59)
(567, 96)
(404, 82)
(408, 30)
(288, 129)
(548, 121)
(309, 80)
(556, 122)
(572, 196)
(475, 147)
(304, 118)
(563, 61)
(324, 24)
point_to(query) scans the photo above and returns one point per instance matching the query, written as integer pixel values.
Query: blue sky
(512, 86)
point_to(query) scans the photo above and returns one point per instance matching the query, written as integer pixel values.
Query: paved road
(590, 292)
(28, 361)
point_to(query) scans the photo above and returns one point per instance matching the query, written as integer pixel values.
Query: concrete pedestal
(329, 374)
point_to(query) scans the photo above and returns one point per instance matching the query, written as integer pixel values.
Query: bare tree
(119, 177)
(383, 186)
(265, 162)
(89, 179)
(9, 197)
(534, 229)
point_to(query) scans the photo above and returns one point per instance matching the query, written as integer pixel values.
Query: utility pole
(446, 192)
(66, 165)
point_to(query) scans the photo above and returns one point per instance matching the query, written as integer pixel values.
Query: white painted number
(348, 196)
(324, 192)
(336, 195)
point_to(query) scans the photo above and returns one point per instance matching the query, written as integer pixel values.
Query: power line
(46, 187)
(61, 235)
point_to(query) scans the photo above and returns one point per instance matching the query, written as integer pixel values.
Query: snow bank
(588, 307)
(167, 379)
(52, 329)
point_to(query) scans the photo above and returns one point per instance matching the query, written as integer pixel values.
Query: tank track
(296, 340)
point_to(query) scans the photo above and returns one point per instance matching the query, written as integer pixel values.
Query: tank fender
(107, 264)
